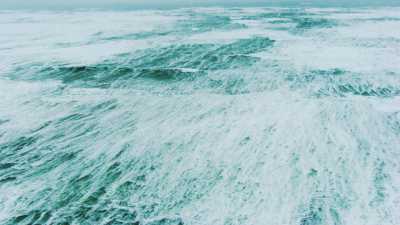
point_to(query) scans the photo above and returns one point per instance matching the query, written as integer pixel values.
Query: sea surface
(200, 116)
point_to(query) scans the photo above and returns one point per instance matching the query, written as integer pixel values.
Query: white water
(309, 134)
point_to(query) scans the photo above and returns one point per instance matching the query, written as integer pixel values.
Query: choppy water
(200, 116)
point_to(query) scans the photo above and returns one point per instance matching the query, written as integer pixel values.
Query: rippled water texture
(200, 116)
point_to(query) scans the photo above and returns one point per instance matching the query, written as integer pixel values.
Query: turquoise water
(218, 116)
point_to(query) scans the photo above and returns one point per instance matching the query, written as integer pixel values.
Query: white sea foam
(303, 129)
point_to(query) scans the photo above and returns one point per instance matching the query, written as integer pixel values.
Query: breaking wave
(200, 116)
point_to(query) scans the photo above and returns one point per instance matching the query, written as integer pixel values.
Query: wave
(272, 116)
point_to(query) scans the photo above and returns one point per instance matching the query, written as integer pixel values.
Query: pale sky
(44, 4)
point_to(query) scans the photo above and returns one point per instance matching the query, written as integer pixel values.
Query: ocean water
(200, 116)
